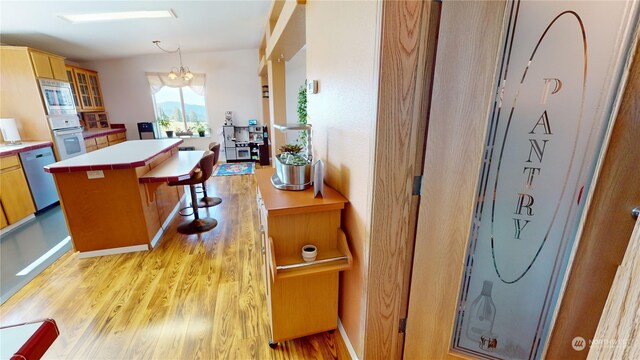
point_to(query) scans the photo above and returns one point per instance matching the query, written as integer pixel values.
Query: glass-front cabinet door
(96, 94)
(84, 91)
(74, 90)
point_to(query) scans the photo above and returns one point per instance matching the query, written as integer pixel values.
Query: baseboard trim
(17, 224)
(114, 251)
(347, 342)
(166, 223)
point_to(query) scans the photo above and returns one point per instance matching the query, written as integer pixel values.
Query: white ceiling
(211, 25)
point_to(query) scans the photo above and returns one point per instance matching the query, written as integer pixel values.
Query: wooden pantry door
(480, 94)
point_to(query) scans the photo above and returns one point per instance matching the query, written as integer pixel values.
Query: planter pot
(169, 133)
(201, 133)
(293, 174)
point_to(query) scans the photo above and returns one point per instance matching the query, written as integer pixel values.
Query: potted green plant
(165, 123)
(291, 148)
(302, 111)
(201, 128)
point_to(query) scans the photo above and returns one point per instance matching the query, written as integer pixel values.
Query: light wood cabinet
(302, 297)
(48, 66)
(14, 192)
(74, 88)
(95, 120)
(116, 138)
(90, 144)
(87, 86)
(104, 141)
(3, 218)
(20, 96)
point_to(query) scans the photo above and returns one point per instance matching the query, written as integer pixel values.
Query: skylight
(115, 16)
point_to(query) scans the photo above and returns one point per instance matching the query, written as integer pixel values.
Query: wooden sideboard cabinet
(302, 298)
(14, 191)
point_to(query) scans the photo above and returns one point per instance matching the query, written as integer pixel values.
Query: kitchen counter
(90, 134)
(107, 208)
(126, 155)
(6, 150)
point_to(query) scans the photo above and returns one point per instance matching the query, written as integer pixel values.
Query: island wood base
(112, 213)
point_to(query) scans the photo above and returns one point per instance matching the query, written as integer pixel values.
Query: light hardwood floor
(192, 297)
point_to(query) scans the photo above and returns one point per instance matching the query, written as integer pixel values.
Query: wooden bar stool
(197, 225)
(208, 201)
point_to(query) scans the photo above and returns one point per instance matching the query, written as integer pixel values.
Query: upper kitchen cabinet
(48, 66)
(86, 87)
(74, 88)
(21, 97)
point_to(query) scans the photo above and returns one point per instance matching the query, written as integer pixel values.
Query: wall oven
(67, 135)
(57, 97)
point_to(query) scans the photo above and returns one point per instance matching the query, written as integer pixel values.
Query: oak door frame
(463, 87)
(407, 55)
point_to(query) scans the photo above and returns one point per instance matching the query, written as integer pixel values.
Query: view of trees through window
(184, 109)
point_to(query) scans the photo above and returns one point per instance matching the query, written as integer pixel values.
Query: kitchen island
(111, 204)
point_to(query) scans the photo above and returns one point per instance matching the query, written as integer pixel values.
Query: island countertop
(125, 155)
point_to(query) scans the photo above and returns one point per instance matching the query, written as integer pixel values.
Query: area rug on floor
(233, 169)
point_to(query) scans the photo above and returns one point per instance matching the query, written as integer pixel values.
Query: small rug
(233, 169)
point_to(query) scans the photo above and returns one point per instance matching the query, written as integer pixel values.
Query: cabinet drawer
(122, 136)
(9, 161)
(112, 137)
(101, 140)
(103, 145)
(89, 143)
(92, 148)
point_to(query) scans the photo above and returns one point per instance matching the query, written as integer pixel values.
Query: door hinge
(402, 326)
(417, 185)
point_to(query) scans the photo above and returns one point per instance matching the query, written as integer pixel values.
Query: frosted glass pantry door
(559, 72)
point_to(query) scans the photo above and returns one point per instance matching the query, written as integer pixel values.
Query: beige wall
(342, 54)
(295, 74)
(232, 84)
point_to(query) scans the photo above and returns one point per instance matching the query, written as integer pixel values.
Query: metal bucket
(293, 174)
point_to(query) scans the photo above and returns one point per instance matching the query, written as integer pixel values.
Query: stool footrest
(209, 201)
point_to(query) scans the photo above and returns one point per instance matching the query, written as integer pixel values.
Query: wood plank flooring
(192, 297)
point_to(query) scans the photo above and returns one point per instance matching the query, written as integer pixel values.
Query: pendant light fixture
(182, 72)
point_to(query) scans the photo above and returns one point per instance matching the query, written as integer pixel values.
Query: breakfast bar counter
(112, 202)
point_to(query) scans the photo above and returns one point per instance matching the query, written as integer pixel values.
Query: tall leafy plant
(302, 111)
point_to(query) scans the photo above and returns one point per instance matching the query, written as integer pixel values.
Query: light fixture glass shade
(188, 75)
(172, 75)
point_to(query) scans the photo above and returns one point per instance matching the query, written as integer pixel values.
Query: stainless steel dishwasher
(43, 188)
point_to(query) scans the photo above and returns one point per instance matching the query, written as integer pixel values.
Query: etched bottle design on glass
(482, 313)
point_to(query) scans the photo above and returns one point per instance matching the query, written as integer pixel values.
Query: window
(182, 104)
